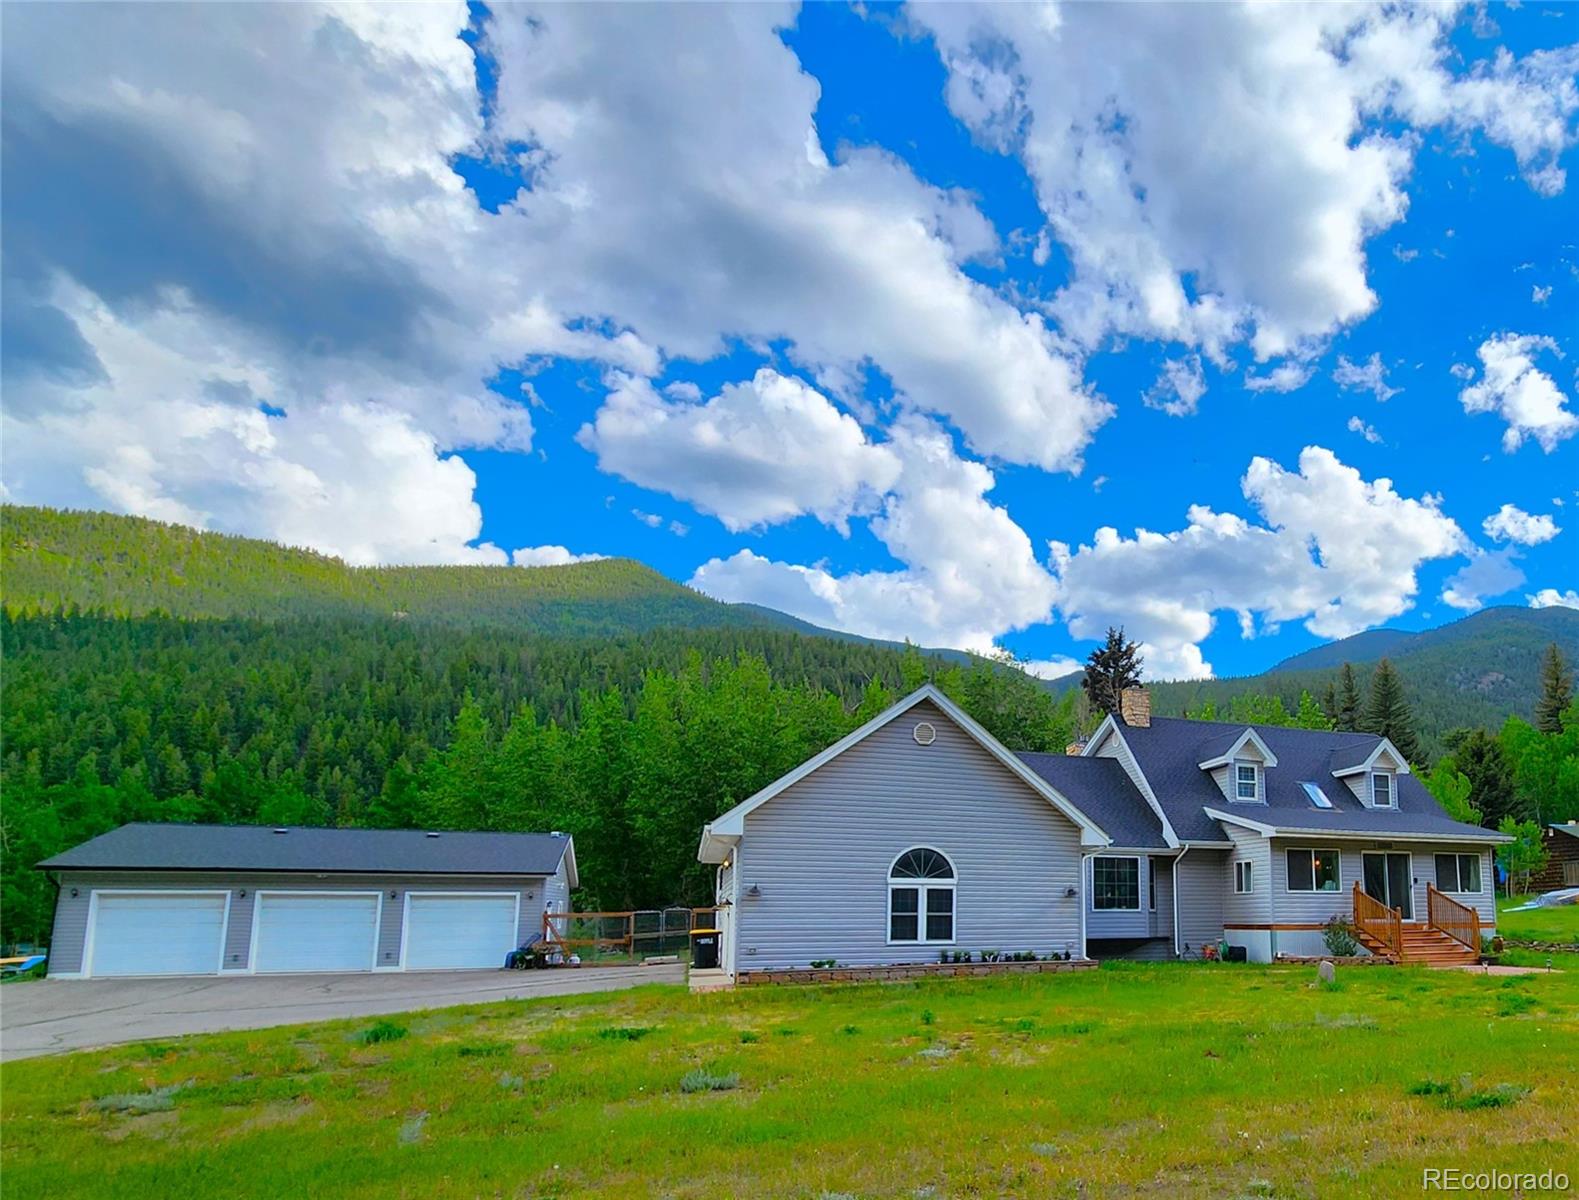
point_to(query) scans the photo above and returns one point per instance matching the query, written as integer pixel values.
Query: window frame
(922, 887)
(1244, 877)
(1458, 857)
(1312, 852)
(1114, 858)
(1392, 789)
(1255, 782)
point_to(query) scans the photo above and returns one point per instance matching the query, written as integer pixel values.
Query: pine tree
(1387, 711)
(1557, 691)
(1346, 716)
(1480, 757)
(1111, 670)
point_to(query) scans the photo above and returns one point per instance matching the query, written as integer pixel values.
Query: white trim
(1178, 941)
(1316, 891)
(405, 923)
(257, 923)
(922, 887)
(567, 860)
(1111, 727)
(88, 938)
(1369, 835)
(1370, 760)
(1248, 874)
(1392, 790)
(717, 832)
(1458, 871)
(1091, 891)
(1257, 780)
(1249, 735)
(1085, 857)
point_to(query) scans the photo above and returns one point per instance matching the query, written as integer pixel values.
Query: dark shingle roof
(1168, 752)
(1100, 788)
(150, 847)
(1347, 757)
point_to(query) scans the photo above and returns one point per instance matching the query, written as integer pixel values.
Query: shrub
(1500, 1096)
(1430, 1087)
(703, 1080)
(928, 1016)
(381, 1031)
(747, 1037)
(1339, 936)
(624, 1033)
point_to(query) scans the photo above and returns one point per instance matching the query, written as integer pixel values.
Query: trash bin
(704, 949)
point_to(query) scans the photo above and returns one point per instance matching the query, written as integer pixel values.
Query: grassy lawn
(1168, 1080)
(1538, 924)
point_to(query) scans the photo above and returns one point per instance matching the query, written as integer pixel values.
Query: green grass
(1166, 1081)
(1538, 924)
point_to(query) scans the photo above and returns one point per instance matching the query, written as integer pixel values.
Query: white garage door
(459, 931)
(157, 933)
(316, 931)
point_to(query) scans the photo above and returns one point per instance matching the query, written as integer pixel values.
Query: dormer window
(1381, 789)
(1247, 781)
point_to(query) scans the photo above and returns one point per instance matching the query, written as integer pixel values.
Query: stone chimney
(1075, 748)
(1134, 707)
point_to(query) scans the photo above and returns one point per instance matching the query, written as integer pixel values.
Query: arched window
(921, 897)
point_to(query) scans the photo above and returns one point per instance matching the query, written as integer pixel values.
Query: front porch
(1447, 935)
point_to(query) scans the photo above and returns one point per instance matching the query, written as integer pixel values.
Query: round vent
(924, 733)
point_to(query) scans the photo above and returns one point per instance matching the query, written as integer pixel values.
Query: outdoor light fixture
(73, 893)
(242, 893)
(753, 890)
(391, 893)
(1069, 891)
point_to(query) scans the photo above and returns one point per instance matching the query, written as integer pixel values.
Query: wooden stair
(1424, 945)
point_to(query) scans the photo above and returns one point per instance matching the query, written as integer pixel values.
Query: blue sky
(881, 316)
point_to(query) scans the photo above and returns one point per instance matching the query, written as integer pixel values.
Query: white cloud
(758, 453)
(1369, 376)
(1540, 295)
(970, 574)
(1518, 391)
(1338, 551)
(1488, 573)
(1260, 229)
(1552, 598)
(1512, 524)
(1179, 387)
(651, 520)
(550, 556)
(1286, 377)
(1050, 668)
(1366, 431)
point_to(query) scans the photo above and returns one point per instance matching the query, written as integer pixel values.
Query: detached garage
(150, 899)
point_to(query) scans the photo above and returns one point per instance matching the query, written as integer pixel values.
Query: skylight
(1317, 796)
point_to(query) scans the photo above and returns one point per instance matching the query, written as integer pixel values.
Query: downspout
(1080, 898)
(1177, 953)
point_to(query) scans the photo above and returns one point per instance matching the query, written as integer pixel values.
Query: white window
(1244, 878)
(1381, 789)
(1317, 796)
(1115, 883)
(1458, 872)
(1247, 781)
(1312, 870)
(921, 897)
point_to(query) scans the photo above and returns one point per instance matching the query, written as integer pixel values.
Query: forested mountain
(1473, 673)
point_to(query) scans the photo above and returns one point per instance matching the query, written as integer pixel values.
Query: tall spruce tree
(1480, 757)
(1111, 669)
(1346, 713)
(1557, 691)
(1387, 711)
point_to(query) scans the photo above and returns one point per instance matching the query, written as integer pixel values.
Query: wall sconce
(242, 893)
(529, 895)
(391, 893)
(1069, 892)
(754, 891)
(73, 893)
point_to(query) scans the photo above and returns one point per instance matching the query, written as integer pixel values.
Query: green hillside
(1473, 672)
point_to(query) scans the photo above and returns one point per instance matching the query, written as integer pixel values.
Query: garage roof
(154, 847)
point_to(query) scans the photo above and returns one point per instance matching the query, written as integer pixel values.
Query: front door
(1390, 879)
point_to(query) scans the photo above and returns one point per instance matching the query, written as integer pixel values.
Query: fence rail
(631, 935)
(1385, 924)
(1457, 920)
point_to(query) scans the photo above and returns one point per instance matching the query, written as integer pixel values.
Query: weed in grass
(511, 1083)
(1500, 1096)
(786, 1031)
(1025, 1025)
(624, 1033)
(852, 1030)
(411, 1131)
(1430, 1087)
(1515, 1003)
(483, 1049)
(1075, 1028)
(747, 1036)
(381, 1031)
(936, 1050)
(152, 1050)
(928, 1016)
(161, 1099)
(703, 1080)
(1043, 1149)
(1260, 1187)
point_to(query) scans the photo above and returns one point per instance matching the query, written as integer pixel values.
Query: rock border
(909, 971)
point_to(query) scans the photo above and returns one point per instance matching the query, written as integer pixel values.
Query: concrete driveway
(51, 1016)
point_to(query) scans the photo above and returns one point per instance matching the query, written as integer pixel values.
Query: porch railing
(1377, 921)
(1458, 921)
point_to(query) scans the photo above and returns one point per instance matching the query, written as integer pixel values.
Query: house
(149, 899)
(1562, 858)
(921, 834)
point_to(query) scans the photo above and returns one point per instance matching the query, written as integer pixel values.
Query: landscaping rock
(1327, 973)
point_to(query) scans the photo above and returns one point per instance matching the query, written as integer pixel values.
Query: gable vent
(924, 733)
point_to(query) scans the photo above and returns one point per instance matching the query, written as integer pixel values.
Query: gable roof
(1169, 751)
(1361, 756)
(1105, 791)
(153, 847)
(723, 831)
(1224, 748)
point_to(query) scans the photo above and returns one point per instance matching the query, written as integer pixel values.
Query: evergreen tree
(1346, 716)
(1479, 757)
(1111, 670)
(1387, 711)
(1557, 691)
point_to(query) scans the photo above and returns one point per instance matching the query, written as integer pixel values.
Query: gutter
(1177, 953)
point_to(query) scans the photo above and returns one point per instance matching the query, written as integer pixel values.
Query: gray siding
(1118, 922)
(1162, 919)
(1305, 907)
(71, 912)
(556, 892)
(1256, 908)
(820, 853)
(1201, 874)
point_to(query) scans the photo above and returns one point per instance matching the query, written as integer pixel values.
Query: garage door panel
(315, 932)
(445, 932)
(157, 933)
